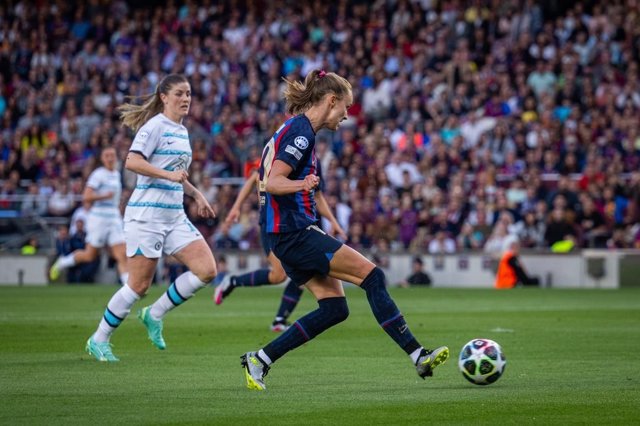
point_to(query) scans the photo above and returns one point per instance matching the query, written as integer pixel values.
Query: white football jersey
(102, 181)
(165, 145)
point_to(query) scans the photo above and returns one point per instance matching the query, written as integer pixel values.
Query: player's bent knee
(335, 309)
(207, 275)
(140, 289)
(276, 277)
(86, 256)
(376, 278)
(343, 313)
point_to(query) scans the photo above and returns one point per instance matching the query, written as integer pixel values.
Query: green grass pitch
(572, 359)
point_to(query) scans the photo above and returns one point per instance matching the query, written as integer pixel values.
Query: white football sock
(124, 278)
(117, 310)
(416, 354)
(66, 261)
(178, 292)
(263, 356)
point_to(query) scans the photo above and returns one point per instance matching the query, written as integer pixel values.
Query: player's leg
(267, 276)
(143, 248)
(142, 270)
(86, 255)
(349, 265)
(116, 242)
(185, 243)
(198, 258)
(274, 275)
(305, 257)
(290, 298)
(118, 252)
(98, 230)
(332, 309)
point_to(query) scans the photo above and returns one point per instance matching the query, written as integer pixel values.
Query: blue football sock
(252, 279)
(386, 311)
(330, 312)
(290, 299)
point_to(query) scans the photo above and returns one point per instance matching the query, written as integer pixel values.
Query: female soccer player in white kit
(104, 221)
(155, 221)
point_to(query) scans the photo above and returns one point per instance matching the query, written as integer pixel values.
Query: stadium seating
(473, 120)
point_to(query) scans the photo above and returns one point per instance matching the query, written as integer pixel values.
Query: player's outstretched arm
(90, 196)
(204, 208)
(246, 189)
(325, 210)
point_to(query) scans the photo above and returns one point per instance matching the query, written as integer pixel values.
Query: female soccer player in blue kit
(275, 274)
(288, 214)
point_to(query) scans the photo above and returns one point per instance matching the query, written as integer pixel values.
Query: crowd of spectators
(473, 121)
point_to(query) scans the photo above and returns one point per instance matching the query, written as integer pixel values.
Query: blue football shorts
(304, 253)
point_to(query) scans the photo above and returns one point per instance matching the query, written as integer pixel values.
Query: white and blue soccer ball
(482, 361)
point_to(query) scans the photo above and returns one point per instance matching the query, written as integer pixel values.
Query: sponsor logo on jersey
(179, 163)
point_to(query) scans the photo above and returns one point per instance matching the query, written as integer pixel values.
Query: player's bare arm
(137, 164)
(280, 184)
(204, 208)
(249, 185)
(90, 196)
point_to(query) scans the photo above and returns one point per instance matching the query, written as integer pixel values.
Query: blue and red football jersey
(293, 143)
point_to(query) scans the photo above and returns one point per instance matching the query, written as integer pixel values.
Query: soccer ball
(482, 361)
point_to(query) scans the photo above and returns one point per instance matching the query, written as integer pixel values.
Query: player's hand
(336, 230)
(310, 182)
(204, 208)
(178, 176)
(233, 216)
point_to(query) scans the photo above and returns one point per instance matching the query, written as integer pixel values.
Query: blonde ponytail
(302, 96)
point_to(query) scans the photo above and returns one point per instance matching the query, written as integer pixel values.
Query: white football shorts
(103, 231)
(151, 239)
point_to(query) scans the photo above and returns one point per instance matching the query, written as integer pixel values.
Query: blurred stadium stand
(474, 120)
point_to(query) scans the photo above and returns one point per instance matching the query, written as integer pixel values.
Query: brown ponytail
(135, 114)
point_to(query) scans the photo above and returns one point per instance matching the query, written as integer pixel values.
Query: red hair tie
(322, 73)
